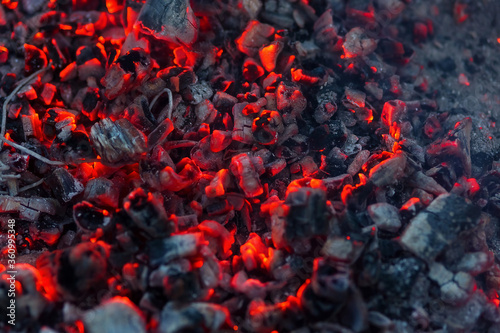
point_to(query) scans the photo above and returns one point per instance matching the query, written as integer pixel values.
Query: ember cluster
(244, 166)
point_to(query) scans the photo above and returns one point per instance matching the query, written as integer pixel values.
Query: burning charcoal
(176, 318)
(102, 191)
(30, 299)
(439, 225)
(148, 213)
(219, 238)
(204, 157)
(64, 185)
(385, 216)
(178, 78)
(173, 21)
(117, 141)
(45, 230)
(187, 174)
(118, 314)
(267, 126)
(196, 93)
(324, 30)
(341, 249)
(89, 217)
(73, 272)
(256, 34)
(178, 246)
(224, 102)
(269, 54)
(220, 140)
(389, 171)
(358, 162)
(160, 133)
(290, 99)
(252, 70)
(307, 215)
(129, 71)
(34, 59)
(247, 170)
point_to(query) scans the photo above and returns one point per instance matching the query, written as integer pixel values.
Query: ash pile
(250, 166)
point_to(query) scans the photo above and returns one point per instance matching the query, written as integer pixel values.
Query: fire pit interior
(261, 166)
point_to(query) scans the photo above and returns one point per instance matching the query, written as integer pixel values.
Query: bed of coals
(263, 166)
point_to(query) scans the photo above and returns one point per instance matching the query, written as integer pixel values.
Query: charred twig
(22, 83)
(32, 185)
(30, 152)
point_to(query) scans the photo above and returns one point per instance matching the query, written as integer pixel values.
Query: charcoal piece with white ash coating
(72, 273)
(117, 142)
(439, 225)
(308, 215)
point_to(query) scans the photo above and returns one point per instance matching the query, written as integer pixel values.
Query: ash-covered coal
(253, 166)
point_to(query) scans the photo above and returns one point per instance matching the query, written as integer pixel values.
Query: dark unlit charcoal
(89, 217)
(389, 171)
(118, 314)
(73, 272)
(433, 229)
(148, 213)
(117, 141)
(129, 71)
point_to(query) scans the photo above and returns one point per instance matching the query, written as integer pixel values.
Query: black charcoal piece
(307, 213)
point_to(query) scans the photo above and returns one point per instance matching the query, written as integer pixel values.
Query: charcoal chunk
(64, 185)
(307, 215)
(439, 225)
(118, 314)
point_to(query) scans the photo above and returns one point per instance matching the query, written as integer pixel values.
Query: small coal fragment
(176, 318)
(385, 216)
